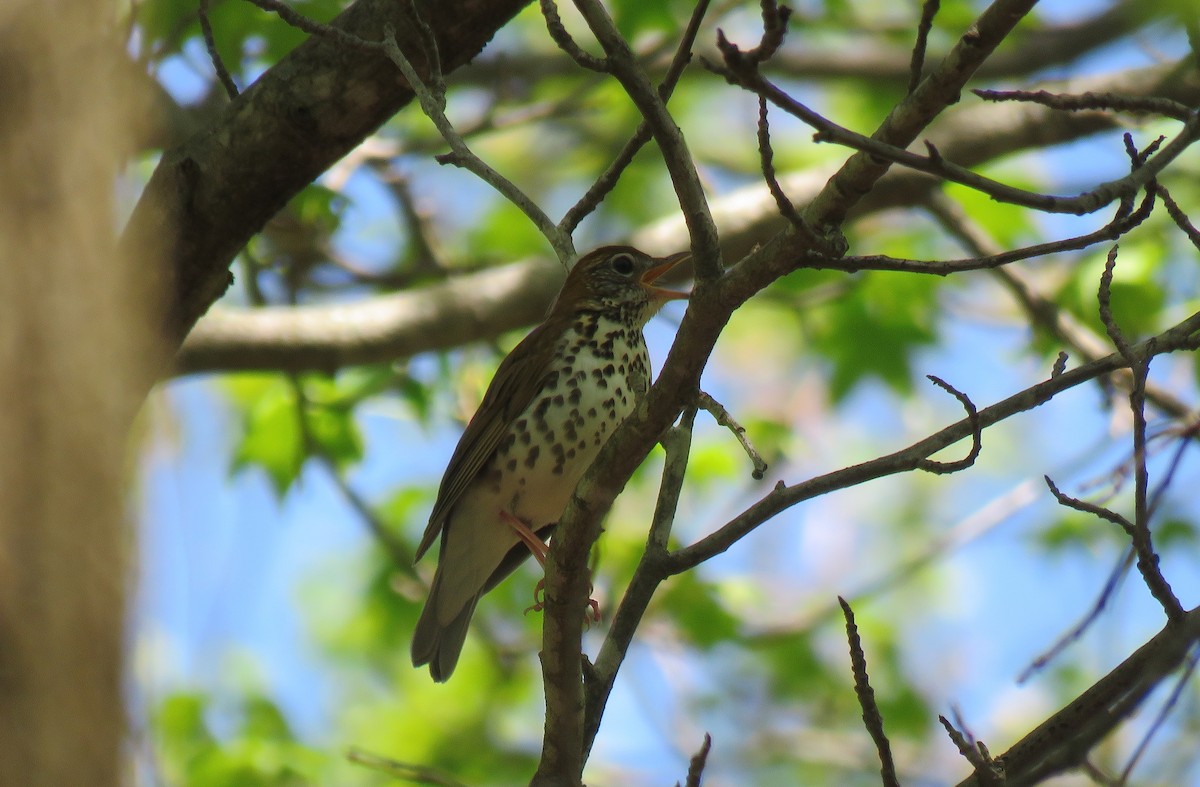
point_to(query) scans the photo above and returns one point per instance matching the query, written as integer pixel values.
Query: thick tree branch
(324, 338)
(1063, 740)
(381, 329)
(211, 194)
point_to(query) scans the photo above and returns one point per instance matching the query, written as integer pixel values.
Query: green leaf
(1137, 297)
(698, 612)
(272, 439)
(336, 434)
(1074, 531)
(263, 719)
(873, 331)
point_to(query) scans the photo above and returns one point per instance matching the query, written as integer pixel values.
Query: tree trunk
(73, 353)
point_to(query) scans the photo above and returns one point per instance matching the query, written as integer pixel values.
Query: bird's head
(620, 280)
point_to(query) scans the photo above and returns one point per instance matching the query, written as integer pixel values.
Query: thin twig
(775, 18)
(416, 774)
(929, 10)
(608, 179)
(989, 258)
(723, 418)
(1080, 102)
(399, 552)
(1063, 740)
(1186, 334)
(210, 43)
(434, 106)
(678, 160)
(934, 164)
(940, 468)
(698, 761)
(766, 156)
(872, 718)
(1139, 364)
(1180, 218)
(1147, 565)
(988, 771)
(1072, 635)
(1043, 311)
(1180, 683)
(313, 27)
(567, 44)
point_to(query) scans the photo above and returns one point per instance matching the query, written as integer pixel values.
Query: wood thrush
(553, 403)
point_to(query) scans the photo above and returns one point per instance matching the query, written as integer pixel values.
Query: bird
(552, 404)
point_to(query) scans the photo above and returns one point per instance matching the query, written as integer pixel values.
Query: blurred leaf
(1073, 531)
(318, 206)
(263, 719)
(272, 439)
(873, 331)
(416, 395)
(336, 434)
(277, 440)
(694, 607)
(1175, 532)
(635, 16)
(1137, 296)
(506, 233)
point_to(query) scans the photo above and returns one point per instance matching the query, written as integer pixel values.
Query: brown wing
(517, 380)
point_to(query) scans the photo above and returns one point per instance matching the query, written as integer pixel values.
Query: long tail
(436, 645)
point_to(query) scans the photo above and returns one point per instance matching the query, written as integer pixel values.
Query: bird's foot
(539, 603)
(539, 597)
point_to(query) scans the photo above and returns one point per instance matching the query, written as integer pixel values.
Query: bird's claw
(539, 603)
(539, 600)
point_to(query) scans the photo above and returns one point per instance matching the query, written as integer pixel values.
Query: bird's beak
(648, 278)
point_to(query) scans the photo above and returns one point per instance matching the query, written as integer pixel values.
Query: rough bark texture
(209, 196)
(73, 327)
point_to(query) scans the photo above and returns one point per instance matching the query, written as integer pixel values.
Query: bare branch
(703, 231)
(872, 718)
(1063, 740)
(698, 761)
(939, 468)
(929, 10)
(767, 157)
(988, 771)
(1078, 102)
(608, 179)
(934, 164)
(567, 44)
(723, 418)
(1184, 335)
(650, 572)
(1115, 576)
(1181, 683)
(1180, 218)
(307, 339)
(313, 27)
(434, 105)
(210, 43)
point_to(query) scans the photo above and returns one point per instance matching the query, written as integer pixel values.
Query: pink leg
(538, 548)
(530, 539)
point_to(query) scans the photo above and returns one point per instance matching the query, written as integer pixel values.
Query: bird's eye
(622, 263)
